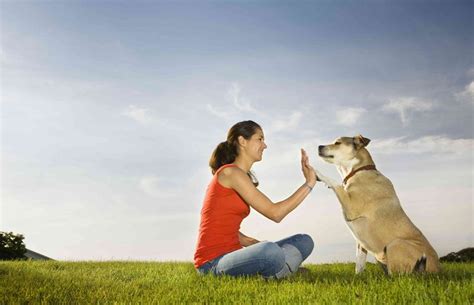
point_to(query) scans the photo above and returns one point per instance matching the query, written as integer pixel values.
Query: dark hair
(227, 151)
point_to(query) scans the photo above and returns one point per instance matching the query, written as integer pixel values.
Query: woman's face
(256, 145)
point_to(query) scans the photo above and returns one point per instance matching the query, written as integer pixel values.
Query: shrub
(462, 256)
(12, 246)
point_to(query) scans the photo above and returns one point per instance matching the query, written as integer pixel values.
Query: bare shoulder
(229, 175)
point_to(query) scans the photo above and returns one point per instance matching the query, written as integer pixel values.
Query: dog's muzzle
(321, 152)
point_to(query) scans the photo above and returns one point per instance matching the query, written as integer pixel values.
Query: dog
(373, 212)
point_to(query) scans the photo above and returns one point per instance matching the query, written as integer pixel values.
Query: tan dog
(373, 212)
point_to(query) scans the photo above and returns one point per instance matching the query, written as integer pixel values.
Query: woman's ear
(360, 141)
(241, 141)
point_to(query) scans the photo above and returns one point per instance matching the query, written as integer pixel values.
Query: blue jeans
(269, 259)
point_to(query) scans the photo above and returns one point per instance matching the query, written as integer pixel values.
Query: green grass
(52, 282)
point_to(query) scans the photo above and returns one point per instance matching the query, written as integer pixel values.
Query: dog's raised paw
(328, 181)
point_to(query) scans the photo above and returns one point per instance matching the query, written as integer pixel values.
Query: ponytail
(225, 153)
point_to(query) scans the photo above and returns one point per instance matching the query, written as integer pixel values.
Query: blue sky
(110, 110)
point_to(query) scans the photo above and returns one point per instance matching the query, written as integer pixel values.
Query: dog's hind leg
(361, 258)
(403, 257)
(420, 265)
(384, 268)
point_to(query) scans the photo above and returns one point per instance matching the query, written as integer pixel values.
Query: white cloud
(238, 105)
(241, 103)
(154, 187)
(428, 144)
(214, 111)
(138, 114)
(349, 116)
(405, 105)
(291, 122)
(470, 89)
(468, 94)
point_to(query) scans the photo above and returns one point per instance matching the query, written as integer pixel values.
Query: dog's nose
(320, 148)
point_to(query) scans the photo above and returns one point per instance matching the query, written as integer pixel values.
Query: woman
(221, 247)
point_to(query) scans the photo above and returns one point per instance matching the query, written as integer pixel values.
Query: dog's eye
(337, 143)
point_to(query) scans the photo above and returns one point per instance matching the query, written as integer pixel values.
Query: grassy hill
(52, 282)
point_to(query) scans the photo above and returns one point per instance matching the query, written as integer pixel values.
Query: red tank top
(222, 212)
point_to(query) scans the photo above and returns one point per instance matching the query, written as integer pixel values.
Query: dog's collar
(363, 168)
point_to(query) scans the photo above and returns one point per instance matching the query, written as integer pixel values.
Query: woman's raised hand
(308, 171)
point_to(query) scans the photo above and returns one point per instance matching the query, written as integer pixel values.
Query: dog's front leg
(361, 258)
(326, 180)
(350, 210)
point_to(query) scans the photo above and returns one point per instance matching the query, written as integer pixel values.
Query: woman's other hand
(308, 171)
(246, 241)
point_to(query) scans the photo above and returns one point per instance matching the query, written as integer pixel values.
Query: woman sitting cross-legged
(221, 248)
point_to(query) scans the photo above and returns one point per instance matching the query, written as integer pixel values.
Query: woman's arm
(246, 241)
(239, 181)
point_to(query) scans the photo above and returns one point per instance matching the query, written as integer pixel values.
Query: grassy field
(152, 282)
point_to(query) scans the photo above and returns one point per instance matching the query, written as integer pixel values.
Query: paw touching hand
(328, 181)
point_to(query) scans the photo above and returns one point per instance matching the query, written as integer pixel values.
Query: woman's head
(227, 151)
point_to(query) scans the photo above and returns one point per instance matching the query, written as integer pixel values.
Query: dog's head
(343, 149)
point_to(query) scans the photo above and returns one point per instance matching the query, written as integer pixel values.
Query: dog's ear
(360, 141)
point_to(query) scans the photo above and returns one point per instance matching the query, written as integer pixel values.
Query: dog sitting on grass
(373, 212)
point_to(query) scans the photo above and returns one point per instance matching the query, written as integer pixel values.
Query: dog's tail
(420, 265)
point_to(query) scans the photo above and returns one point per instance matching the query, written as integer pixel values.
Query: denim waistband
(209, 265)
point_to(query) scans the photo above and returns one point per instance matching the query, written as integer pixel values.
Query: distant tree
(12, 246)
(462, 256)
